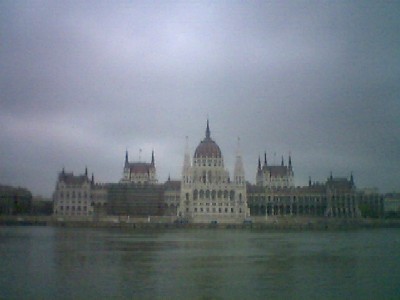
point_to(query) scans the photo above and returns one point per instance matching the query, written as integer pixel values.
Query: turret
(238, 172)
(152, 158)
(186, 162)
(126, 158)
(208, 133)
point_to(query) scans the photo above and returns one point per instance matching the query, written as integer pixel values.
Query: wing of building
(139, 172)
(77, 195)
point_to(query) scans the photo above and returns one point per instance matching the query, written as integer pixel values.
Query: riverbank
(273, 223)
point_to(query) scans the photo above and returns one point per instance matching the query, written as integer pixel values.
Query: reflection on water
(66, 263)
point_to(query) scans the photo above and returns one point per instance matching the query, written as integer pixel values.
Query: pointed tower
(186, 163)
(238, 172)
(265, 158)
(282, 163)
(208, 134)
(152, 158)
(126, 159)
(260, 173)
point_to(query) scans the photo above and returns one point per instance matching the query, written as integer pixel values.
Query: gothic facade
(139, 172)
(77, 195)
(208, 194)
(275, 176)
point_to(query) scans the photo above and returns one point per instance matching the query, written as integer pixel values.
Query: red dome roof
(207, 147)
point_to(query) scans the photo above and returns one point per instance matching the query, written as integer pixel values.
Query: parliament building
(207, 193)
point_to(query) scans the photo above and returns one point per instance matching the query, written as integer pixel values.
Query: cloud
(82, 82)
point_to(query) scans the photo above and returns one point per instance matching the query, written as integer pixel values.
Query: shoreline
(273, 223)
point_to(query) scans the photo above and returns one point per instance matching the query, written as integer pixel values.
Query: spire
(207, 130)
(86, 173)
(152, 158)
(239, 170)
(265, 158)
(186, 160)
(282, 161)
(259, 163)
(92, 178)
(290, 161)
(331, 177)
(351, 178)
(126, 158)
(309, 181)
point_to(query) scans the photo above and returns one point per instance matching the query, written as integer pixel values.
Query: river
(87, 263)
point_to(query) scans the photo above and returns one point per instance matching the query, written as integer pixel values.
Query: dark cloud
(80, 82)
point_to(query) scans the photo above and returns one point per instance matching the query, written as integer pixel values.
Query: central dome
(207, 147)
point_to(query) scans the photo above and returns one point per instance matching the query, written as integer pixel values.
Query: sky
(81, 82)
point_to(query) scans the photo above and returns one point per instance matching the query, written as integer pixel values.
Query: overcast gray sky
(81, 81)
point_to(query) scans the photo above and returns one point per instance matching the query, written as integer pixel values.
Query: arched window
(208, 194)
(225, 194)
(213, 194)
(232, 195)
(201, 194)
(195, 194)
(219, 194)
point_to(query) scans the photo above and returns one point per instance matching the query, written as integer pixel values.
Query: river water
(70, 263)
